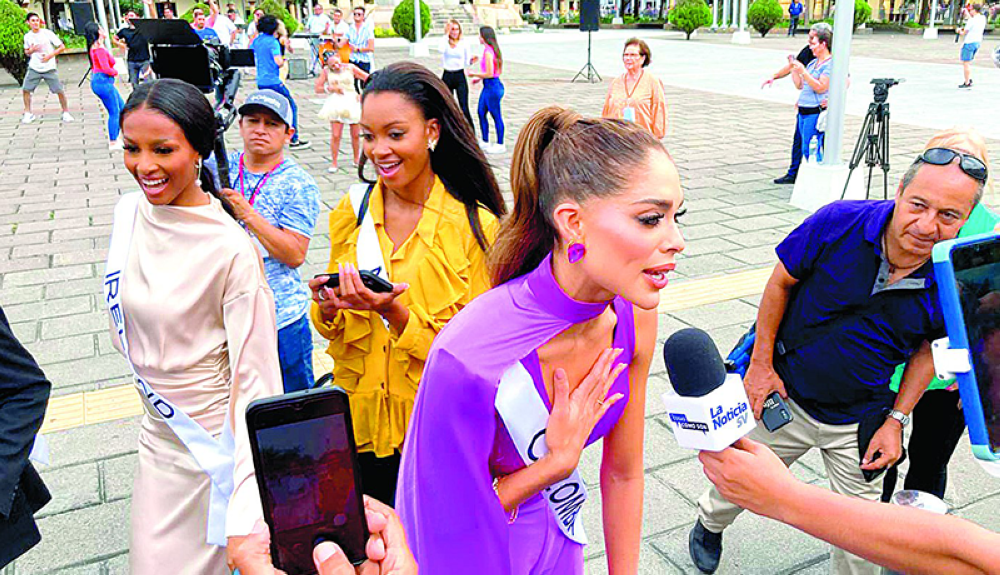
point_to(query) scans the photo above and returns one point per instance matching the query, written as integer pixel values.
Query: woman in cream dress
(342, 106)
(200, 325)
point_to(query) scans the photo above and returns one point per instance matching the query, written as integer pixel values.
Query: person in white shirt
(237, 18)
(224, 26)
(42, 46)
(973, 37)
(319, 22)
(456, 55)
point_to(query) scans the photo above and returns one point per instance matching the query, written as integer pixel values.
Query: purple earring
(576, 251)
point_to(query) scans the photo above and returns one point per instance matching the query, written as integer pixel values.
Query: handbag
(821, 122)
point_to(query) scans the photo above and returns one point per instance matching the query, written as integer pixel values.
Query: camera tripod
(588, 71)
(873, 147)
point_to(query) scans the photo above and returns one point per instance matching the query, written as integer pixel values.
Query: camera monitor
(968, 276)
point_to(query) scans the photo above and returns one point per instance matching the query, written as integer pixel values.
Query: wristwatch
(899, 416)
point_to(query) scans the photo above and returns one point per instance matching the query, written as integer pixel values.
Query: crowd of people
(503, 323)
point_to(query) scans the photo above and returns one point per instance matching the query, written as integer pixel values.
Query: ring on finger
(321, 295)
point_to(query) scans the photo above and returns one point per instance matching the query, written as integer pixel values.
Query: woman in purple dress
(549, 361)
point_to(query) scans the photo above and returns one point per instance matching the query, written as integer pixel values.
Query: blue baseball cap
(270, 100)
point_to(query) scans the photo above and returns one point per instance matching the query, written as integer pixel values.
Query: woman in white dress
(342, 106)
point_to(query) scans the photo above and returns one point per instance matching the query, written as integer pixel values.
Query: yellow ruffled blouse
(445, 267)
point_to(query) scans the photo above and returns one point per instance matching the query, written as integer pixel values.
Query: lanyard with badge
(253, 197)
(628, 113)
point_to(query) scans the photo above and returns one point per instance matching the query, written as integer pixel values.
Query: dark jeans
(295, 355)
(793, 23)
(379, 475)
(456, 82)
(793, 168)
(281, 89)
(135, 70)
(367, 67)
(938, 425)
(489, 102)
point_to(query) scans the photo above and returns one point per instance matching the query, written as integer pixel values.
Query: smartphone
(968, 278)
(308, 476)
(775, 414)
(369, 279)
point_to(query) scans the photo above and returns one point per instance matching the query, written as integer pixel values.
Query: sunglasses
(971, 165)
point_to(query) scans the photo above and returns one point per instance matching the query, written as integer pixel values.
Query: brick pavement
(58, 183)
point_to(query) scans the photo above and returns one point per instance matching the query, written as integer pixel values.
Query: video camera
(882, 86)
(179, 53)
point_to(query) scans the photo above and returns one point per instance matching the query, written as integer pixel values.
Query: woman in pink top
(491, 64)
(102, 81)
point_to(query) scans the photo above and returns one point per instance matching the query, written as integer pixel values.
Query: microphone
(710, 410)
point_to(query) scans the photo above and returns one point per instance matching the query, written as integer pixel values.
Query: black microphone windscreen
(693, 362)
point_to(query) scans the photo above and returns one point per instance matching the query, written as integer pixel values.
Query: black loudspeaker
(590, 15)
(83, 14)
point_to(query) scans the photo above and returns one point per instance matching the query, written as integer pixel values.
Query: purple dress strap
(453, 519)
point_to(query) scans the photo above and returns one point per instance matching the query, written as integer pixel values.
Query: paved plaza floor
(58, 183)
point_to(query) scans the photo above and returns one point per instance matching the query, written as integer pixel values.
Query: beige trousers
(839, 446)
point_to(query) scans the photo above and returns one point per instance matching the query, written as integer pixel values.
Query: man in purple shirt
(852, 297)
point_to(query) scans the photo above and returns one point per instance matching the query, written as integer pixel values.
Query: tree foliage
(764, 15)
(689, 15)
(134, 5)
(278, 10)
(402, 19)
(12, 31)
(189, 15)
(862, 12)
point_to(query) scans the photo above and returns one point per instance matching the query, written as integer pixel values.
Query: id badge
(628, 114)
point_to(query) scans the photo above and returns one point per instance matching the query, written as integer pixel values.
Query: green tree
(402, 20)
(862, 12)
(689, 15)
(12, 31)
(764, 15)
(278, 10)
(134, 5)
(189, 15)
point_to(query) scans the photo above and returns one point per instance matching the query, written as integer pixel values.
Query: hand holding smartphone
(370, 280)
(308, 477)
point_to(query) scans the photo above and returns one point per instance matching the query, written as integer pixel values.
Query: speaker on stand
(590, 22)
(83, 14)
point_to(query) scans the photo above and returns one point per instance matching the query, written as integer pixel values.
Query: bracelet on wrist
(512, 516)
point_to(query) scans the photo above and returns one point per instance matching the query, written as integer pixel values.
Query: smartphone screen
(977, 272)
(309, 486)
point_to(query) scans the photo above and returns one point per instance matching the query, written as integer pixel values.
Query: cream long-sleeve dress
(201, 327)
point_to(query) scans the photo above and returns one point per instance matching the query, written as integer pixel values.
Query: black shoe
(705, 548)
(786, 179)
(299, 145)
(966, 85)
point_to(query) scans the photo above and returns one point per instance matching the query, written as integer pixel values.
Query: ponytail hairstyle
(561, 155)
(91, 32)
(489, 36)
(457, 160)
(185, 105)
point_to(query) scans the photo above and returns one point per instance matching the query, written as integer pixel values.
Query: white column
(842, 32)
(726, 9)
(715, 14)
(742, 36)
(931, 32)
(309, 11)
(418, 49)
(102, 16)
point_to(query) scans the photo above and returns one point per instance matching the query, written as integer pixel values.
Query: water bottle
(814, 149)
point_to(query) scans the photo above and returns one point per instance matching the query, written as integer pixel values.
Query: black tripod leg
(860, 148)
(885, 153)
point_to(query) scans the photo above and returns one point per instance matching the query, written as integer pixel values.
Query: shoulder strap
(360, 197)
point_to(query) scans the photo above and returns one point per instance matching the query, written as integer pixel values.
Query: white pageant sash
(368, 248)
(215, 457)
(525, 415)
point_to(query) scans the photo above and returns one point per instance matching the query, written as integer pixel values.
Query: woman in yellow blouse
(434, 208)
(637, 95)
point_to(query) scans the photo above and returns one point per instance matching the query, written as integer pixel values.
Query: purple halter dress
(457, 443)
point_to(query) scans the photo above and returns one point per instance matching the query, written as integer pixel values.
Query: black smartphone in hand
(370, 280)
(775, 414)
(308, 476)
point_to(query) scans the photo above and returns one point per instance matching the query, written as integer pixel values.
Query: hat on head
(270, 100)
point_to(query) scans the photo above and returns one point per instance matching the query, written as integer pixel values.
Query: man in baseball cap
(278, 203)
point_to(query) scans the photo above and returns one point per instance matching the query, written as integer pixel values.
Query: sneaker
(484, 145)
(496, 149)
(115, 145)
(299, 145)
(336, 170)
(28, 118)
(66, 117)
(966, 85)
(705, 548)
(786, 179)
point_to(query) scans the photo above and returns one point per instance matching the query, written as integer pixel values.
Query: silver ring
(320, 295)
